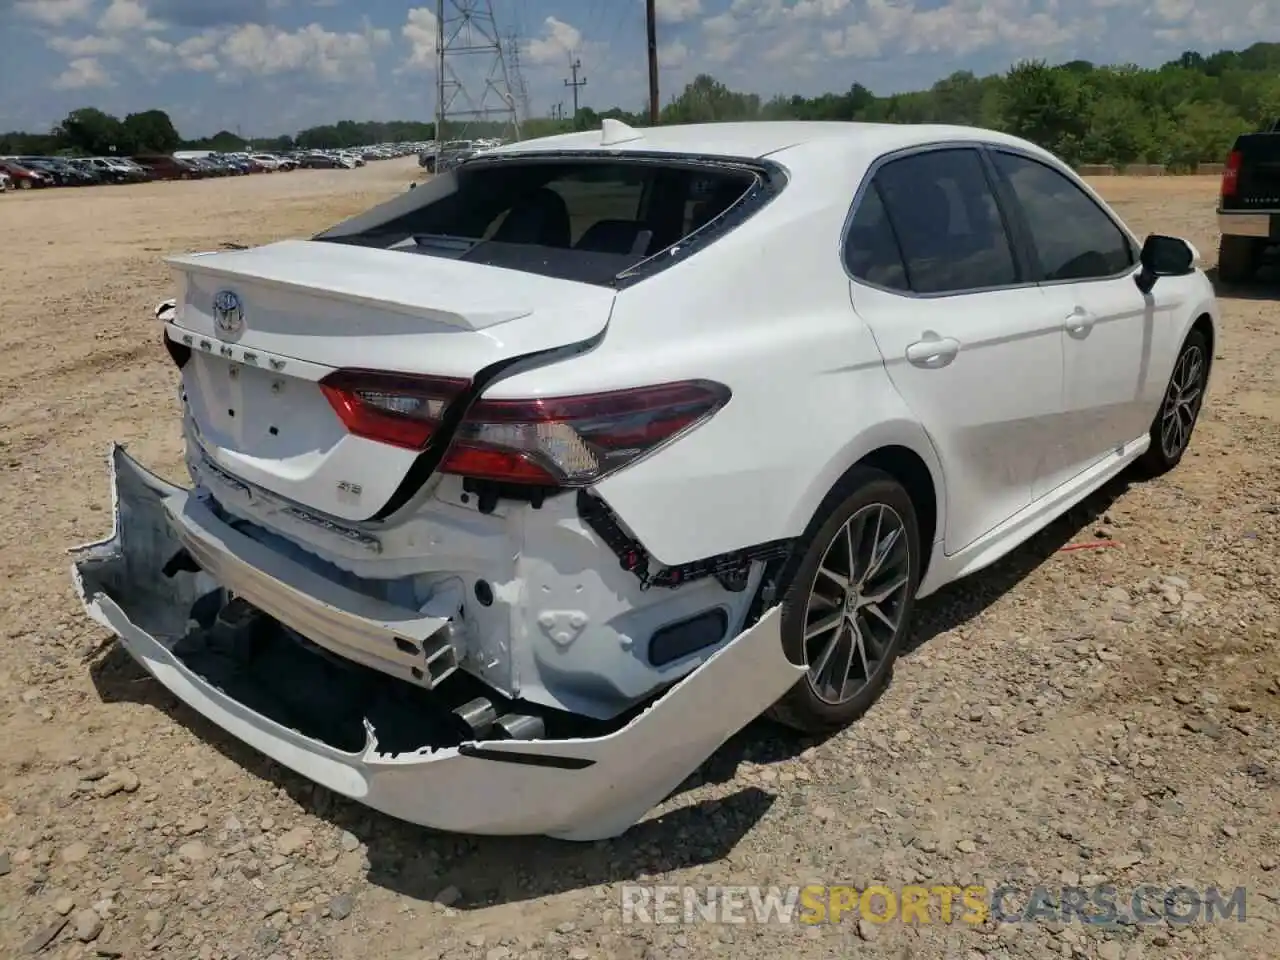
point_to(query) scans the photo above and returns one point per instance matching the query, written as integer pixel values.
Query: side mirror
(1164, 257)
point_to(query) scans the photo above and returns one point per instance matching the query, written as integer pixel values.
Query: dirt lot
(1107, 715)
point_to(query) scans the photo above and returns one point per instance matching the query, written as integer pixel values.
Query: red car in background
(167, 168)
(24, 178)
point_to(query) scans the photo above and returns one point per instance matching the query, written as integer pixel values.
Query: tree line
(1185, 112)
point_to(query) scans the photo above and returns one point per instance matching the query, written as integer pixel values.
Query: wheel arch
(908, 457)
(1205, 324)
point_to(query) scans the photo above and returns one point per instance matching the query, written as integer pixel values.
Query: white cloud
(677, 11)
(558, 41)
(673, 55)
(90, 46)
(196, 54)
(818, 9)
(82, 73)
(723, 34)
(123, 16)
(267, 51)
(421, 29)
(54, 13)
(875, 28)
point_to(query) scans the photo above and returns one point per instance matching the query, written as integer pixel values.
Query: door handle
(1079, 323)
(933, 353)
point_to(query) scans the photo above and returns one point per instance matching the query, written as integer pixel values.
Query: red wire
(1090, 545)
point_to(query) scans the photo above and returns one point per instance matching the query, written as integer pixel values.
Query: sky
(265, 67)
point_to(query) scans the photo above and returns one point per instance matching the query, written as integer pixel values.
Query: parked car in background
(118, 169)
(97, 175)
(24, 178)
(448, 155)
(324, 161)
(55, 176)
(6, 182)
(62, 173)
(162, 167)
(1249, 205)
(208, 167)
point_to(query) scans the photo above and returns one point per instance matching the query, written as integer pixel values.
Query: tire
(1239, 258)
(1179, 407)
(866, 496)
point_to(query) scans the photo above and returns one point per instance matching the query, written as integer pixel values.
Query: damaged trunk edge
(573, 789)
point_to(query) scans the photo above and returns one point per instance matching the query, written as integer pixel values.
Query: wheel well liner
(909, 469)
(1204, 323)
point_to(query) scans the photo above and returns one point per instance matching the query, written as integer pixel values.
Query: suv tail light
(403, 410)
(575, 441)
(1231, 174)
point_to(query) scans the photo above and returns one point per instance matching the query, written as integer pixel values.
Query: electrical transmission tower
(467, 35)
(517, 74)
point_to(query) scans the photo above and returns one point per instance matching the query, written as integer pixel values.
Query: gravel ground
(1104, 715)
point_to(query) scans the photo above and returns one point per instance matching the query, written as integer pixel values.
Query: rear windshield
(577, 219)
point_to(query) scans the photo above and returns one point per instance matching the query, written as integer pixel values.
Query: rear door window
(947, 222)
(581, 219)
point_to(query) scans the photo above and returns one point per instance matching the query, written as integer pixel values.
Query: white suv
(480, 474)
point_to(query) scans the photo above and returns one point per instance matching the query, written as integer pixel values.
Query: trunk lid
(303, 309)
(1258, 180)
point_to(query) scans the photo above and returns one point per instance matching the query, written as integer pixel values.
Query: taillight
(1231, 174)
(403, 410)
(575, 441)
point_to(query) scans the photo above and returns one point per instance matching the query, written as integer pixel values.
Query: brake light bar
(575, 441)
(1231, 174)
(403, 410)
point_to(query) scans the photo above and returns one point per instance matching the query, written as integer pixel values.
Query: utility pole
(651, 24)
(574, 66)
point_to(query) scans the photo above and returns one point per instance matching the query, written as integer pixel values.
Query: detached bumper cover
(580, 789)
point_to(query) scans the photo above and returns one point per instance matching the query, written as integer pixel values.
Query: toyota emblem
(228, 313)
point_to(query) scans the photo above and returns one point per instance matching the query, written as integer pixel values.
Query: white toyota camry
(515, 496)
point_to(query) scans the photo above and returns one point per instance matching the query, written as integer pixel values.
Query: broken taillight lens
(403, 410)
(1231, 174)
(575, 441)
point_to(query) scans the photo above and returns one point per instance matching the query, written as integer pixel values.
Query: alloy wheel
(856, 603)
(1182, 402)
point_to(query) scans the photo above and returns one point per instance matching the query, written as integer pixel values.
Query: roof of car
(762, 138)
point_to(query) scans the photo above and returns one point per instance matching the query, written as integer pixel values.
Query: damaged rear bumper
(574, 789)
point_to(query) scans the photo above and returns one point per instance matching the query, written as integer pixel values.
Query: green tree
(90, 131)
(1049, 106)
(707, 100)
(1183, 112)
(151, 132)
